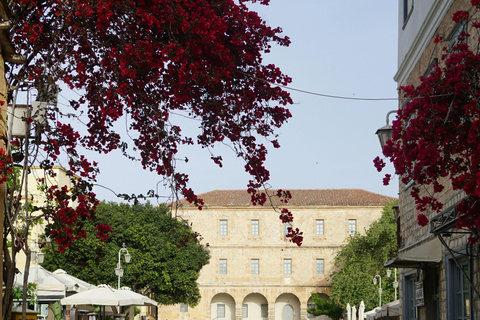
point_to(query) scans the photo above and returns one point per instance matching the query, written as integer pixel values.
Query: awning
(417, 255)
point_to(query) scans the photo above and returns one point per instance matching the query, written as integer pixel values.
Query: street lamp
(395, 283)
(118, 269)
(385, 133)
(379, 288)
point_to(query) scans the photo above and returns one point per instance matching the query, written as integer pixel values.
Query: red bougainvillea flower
(422, 220)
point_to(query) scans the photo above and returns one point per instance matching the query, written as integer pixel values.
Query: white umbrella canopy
(354, 313)
(72, 283)
(49, 288)
(361, 311)
(103, 295)
(147, 300)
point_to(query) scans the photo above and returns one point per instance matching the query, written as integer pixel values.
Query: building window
(223, 228)
(458, 289)
(255, 227)
(409, 309)
(222, 266)
(245, 310)
(407, 10)
(320, 266)
(183, 307)
(255, 266)
(285, 228)
(456, 35)
(220, 310)
(264, 310)
(319, 227)
(352, 227)
(287, 266)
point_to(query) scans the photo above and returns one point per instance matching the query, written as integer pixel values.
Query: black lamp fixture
(385, 133)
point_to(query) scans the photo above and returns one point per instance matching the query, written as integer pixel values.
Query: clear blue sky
(341, 48)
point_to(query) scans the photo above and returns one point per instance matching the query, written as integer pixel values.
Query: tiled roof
(300, 197)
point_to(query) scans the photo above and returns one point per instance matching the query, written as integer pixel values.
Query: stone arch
(321, 295)
(257, 306)
(287, 299)
(222, 306)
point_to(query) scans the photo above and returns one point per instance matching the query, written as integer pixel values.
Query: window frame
(183, 307)
(287, 266)
(319, 227)
(264, 310)
(407, 11)
(285, 228)
(255, 227)
(455, 33)
(457, 284)
(221, 312)
(320, 266)
(255, 266)
(350, 231)
(223, 227)
(222, 266)
(244, 311)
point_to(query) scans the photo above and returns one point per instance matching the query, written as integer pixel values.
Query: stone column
(271, 311)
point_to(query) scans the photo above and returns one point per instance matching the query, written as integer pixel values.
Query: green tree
(361, 258)
(326, 307)
(166, 256)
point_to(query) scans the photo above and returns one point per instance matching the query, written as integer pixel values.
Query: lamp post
(395, 283)
(385, 133)
(379, 288)
(118, 269)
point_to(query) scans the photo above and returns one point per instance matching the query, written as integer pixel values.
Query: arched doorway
(287, 306)
(222, 306)
(287, 313)
(255, 307)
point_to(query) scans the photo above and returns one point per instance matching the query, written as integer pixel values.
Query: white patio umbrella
(103, 295)
(72, 283)
(146, 300)
(354, 313)
(349, 312)
(49, 288)
(361, 311)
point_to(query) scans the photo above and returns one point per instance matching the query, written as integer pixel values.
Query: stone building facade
(439, 269)
(254, 271)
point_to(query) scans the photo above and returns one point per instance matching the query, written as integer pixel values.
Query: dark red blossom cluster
(66, 209)
(436, 137)
(5, 166)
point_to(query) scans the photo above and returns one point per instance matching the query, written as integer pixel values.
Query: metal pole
(396, 286)
(380, 290)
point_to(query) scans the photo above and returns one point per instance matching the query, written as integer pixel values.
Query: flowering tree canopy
(144, 60)
(436, 137)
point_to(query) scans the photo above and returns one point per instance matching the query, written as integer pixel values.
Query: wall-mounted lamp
(385, 133)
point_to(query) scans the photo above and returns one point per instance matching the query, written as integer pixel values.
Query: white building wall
(417, 33)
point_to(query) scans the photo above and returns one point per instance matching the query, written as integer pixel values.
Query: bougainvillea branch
(436, 137)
